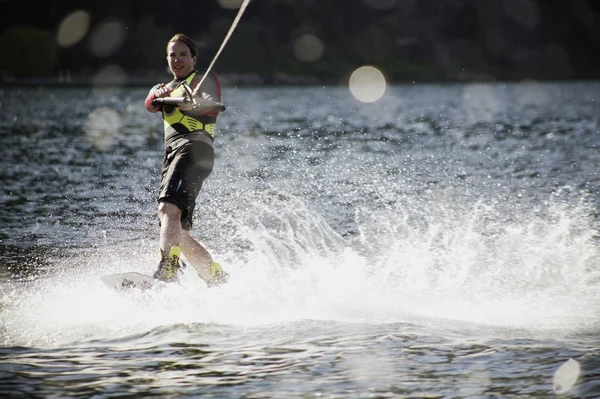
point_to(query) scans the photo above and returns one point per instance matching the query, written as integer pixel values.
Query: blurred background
(301, 41)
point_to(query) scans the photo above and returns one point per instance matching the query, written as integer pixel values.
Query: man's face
(180, 59)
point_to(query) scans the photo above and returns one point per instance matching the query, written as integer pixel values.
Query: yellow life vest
(176, 121)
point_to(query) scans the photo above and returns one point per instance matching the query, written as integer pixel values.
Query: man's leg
(170, 226)
(197, 255)
(208, 270)
(170, 238)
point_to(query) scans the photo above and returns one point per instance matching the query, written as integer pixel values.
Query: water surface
(441, 242)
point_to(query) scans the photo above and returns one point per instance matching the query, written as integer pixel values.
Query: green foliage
(413, 40)
(27, 51)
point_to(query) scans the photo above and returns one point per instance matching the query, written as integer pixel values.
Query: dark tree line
(407, 39)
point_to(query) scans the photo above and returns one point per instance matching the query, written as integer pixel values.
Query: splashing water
(537, 272)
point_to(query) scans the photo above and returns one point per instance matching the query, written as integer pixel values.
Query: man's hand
(202, 104)
(162, 92)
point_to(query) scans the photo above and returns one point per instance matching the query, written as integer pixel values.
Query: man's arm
(210, 90)
(158, 91)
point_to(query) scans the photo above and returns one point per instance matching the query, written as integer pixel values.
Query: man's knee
(169, 210)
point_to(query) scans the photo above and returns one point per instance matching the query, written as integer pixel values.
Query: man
(188, 161)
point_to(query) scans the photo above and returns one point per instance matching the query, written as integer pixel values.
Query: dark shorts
(185, 167)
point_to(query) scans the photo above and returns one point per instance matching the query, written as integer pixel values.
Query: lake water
(441, 242)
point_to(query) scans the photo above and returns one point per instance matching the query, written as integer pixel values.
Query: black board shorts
(185, 166)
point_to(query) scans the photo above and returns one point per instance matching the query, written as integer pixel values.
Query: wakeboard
(129, 280)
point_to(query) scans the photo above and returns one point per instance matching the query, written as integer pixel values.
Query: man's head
(181, 55)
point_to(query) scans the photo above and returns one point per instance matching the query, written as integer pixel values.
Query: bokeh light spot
(481, 103)
(531, 93)
(110, 75)
(308, 48)
(102, 127)
(107, 38)
(566, 376)
(73, 28)
(367, 84)
(230, 4)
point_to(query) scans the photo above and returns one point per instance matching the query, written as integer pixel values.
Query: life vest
(179, 123)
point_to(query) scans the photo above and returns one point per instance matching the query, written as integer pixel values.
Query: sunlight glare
(531, 93)
(367, 84)
(107, 38)
(566, 376)
(102, 127)
(481, 102)
(308, 48)
(73, 28)
(111, 75)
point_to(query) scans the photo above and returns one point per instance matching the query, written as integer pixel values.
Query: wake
(536, 271)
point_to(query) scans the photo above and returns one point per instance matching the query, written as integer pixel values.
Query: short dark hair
(180, 37)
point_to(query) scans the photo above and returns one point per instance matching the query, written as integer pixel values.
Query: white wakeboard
(129, 280)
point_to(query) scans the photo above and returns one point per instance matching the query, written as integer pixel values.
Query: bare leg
(172, 234)
(170, 226)
(196, 255)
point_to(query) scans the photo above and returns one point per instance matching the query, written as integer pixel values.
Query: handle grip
(169, 100)
(200, 103)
